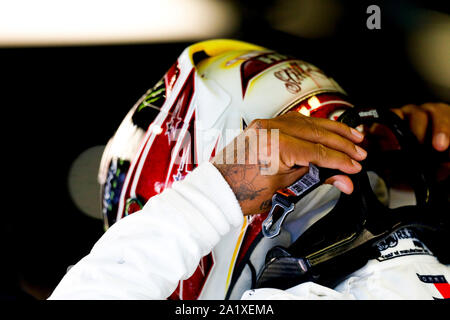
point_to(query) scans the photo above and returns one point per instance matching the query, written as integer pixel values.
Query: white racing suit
(146, 254)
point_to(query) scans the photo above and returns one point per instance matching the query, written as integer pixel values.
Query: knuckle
(320, 151)
(429, 107)
(343, 128)
(317, 131)
(410, 107)
(346, 129)
(344, 161)
(259, 124)
(294, 114)
(348, 161)
(352, 146)
(307, 120)
(347, 164)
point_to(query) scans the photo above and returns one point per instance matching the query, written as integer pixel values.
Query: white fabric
(396, 275)
(144, 255)
(304, 291)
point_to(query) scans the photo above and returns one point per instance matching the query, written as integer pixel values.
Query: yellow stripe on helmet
(218, 46)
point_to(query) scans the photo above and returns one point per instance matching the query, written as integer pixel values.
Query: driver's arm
(145, 255)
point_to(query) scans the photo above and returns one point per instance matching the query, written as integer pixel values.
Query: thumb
(342, 182)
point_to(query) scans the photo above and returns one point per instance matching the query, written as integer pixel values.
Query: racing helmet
(206, 98)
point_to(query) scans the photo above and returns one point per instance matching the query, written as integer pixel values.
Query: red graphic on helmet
(151, 173)
(255, 65)
(170, 77)
(325, 105)
(168, 155)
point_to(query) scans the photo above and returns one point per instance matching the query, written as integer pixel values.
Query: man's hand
(431, 119)
(429, 116)
(300, 140)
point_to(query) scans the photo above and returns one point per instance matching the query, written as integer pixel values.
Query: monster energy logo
(149, 105)
(153, 97)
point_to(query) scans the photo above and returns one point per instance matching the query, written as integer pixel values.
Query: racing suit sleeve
(146, 254)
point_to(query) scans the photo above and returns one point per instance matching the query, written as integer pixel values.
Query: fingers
(417, 119)
(318, 134)
(440, 116)
(436, 115)
(418, 123)
(340, 129)
(341, 182)
(329, 133)
(297, 152)
(300, 121)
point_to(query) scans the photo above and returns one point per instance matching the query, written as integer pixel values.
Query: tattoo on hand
(265, 204)
(241, 177)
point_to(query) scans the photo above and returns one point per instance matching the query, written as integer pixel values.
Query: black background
(59, 101)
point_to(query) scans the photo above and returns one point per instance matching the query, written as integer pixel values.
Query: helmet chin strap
(347, 237)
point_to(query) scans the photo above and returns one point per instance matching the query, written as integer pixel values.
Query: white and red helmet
(215, 87)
